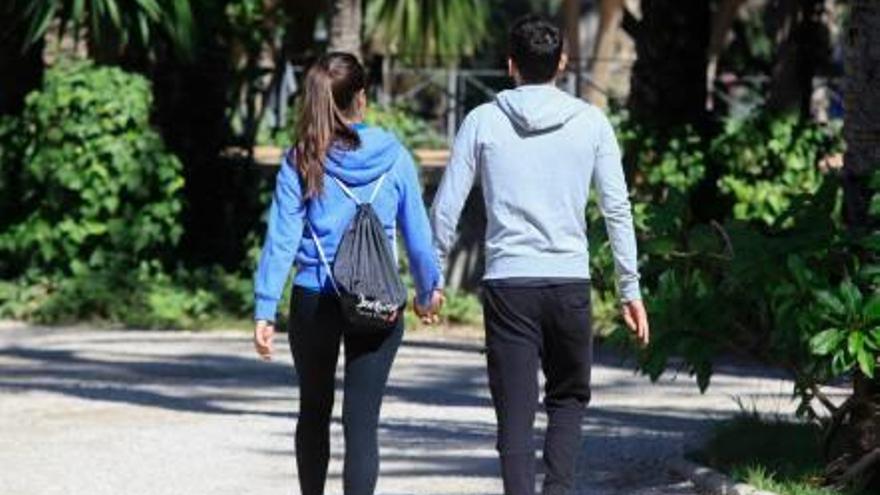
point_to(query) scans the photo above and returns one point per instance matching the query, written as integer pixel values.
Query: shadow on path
(448, 378)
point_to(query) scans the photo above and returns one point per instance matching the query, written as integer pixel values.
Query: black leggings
(316, 329)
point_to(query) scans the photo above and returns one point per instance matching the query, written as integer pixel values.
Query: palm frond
(112, 22)
(421, 29)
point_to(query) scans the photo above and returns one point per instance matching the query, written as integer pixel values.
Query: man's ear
(511, 68)
(563, 63)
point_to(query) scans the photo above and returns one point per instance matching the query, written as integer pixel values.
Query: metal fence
(441, 95)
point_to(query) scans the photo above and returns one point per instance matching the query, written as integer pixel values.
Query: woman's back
(398, 203)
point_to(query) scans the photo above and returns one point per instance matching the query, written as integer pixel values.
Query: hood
(539, 107)
(376, 155)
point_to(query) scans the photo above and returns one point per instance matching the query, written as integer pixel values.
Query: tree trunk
(862, 120)
(572, 9)
(722, 21)
(857, 464)
(610, 14)
(21, 68)
(300, 33)
(802, 45)
(668, 78)
(346, 26)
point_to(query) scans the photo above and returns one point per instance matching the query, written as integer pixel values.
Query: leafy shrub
(753, 279)
(769, 161)
(462, 308)
(145, 297)
(97, 184)
(413, 131)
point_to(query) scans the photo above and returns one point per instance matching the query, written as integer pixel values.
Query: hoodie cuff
(424, 299)
(630, 291)
(265, 308)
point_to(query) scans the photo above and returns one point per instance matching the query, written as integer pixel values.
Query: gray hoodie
(537, 150)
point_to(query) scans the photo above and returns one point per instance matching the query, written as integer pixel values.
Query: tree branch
(859, 468)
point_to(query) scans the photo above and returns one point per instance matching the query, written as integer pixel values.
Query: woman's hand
(430, 315)
(264, 332)
(636, 318)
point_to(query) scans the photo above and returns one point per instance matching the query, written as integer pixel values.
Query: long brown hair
(331, 87)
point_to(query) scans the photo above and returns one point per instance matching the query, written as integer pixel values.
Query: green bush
(462, 308)
(770, 161)
(145, 297)
(97, 184)
(413, 131)
(763, 277)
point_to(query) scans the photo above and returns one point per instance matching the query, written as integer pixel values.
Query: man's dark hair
(535, 47)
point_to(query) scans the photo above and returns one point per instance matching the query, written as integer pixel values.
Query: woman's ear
(361, 102)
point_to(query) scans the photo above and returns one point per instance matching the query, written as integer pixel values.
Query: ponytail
(331, 86)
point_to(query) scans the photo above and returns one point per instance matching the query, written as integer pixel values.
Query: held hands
(264, 331)
(430, 315)
(636, 318)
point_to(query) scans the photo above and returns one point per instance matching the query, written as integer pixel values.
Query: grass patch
(776, 455)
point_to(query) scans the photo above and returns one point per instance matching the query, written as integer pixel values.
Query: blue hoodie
(536, 150)
(398, 201)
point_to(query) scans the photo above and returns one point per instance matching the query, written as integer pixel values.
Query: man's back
(536, 150)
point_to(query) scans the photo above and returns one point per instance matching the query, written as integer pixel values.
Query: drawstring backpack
(364, 273)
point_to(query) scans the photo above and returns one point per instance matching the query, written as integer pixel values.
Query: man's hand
(430, 315)
(264, 331)
(636, 319)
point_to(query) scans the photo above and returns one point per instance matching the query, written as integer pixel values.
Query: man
(536, 151)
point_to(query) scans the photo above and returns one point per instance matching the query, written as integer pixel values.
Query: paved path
(87, 412)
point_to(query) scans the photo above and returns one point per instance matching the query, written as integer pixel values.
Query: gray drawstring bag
(364, 273)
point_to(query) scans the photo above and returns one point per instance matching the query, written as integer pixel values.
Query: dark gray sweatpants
(527, 326)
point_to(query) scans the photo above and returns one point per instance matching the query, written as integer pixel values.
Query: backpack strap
(323, 258)
(348, 192)
(378, 186)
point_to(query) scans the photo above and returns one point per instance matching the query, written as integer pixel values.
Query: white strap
(348, 192)
(323, 258)
(378, 186)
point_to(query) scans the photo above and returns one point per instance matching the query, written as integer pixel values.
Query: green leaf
(872, 308)
(867, 362)
(856, 343)
(662, 246)
(871, 242)
(851, 296)
(840, 363)
(831, 303)
(826, 342)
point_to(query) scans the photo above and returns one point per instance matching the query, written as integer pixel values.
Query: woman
(335, 145)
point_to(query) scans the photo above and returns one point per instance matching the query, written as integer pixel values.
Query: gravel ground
(97, 412)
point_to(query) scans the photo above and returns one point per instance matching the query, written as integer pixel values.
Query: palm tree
(421, 29)
(113, 27)
(346, 24)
